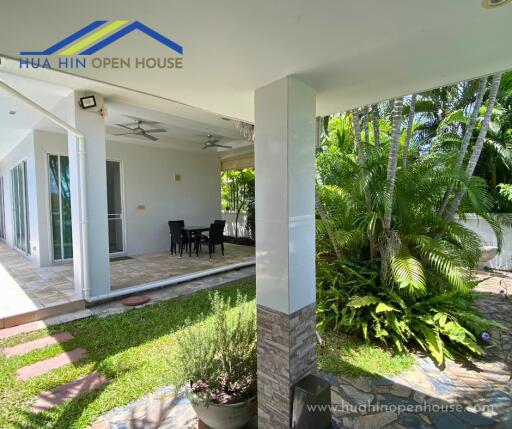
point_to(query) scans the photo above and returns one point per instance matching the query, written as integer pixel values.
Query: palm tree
(366, 128)
(375, 121)
(392, 161)
(477, 148)
(357, 137)
(408, 135)
(465, 142)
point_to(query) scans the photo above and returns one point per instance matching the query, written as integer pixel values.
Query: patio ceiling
(186, 128)
(351, 52)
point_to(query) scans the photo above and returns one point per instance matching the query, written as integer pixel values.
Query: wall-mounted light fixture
(88, 102)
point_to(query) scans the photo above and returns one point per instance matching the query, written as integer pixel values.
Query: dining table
(191, 232)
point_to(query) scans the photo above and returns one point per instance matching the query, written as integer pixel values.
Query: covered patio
(33, 293)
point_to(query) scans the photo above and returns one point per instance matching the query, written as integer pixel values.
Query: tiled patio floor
(158, 266)
(25, 288)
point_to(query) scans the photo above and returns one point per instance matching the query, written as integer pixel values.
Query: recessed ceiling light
(12, 112)
(490, 4)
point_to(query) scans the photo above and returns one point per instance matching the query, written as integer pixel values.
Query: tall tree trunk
(477, 148)
(392, 162)
(366, 127)
(376, 130)
(360, 152)
(408, 135)
(465, 141)
(357, 137)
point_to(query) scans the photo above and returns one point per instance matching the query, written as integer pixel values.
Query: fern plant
(411, 287)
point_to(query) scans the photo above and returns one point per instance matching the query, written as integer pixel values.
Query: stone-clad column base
(286, 353)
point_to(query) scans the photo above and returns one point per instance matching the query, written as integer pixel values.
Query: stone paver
(162, 409)
(21, 329)
(47, 365)
(68, 391)
(24, 348)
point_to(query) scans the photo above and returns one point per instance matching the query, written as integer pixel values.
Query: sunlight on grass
(134, 350)
(345, 356)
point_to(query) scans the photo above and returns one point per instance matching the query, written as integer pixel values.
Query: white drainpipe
(86, 289)
(170, 281)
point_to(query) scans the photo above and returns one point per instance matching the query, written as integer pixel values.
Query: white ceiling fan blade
(156, 130)
(221, 145)
(124, 126)
(149, 137)
(213, 141)
(205, 147)
(122, 134)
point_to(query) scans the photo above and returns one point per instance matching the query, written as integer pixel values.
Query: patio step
(39, 314)
(47, 365)
(71, 390)
(25, 348)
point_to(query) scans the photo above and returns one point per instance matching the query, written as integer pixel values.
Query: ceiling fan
(212, 142)
(139, 131)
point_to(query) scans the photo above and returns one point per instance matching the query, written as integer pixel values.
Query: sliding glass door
(2, 210)
(60, 207)
(115, 208)
(20, 207)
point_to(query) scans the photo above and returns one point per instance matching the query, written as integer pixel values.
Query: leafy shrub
(411, 286)
(218, 356)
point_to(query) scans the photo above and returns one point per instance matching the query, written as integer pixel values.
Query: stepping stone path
(71, 390)
(47, 365)
(64, 392)
(24, 348)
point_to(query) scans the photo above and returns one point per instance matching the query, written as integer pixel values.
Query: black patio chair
(204, 237)
(216, 236)
(177, 236)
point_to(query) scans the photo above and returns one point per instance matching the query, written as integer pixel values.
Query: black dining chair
(177, 236)
(204, 237)
(216, 236)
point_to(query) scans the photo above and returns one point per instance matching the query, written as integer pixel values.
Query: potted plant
(217, 360)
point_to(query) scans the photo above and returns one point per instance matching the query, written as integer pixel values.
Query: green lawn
(342, 355)
(135, 351)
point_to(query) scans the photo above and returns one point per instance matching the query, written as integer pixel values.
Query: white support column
(285, 244)
(92, 125)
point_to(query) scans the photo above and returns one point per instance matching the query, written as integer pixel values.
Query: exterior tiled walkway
(25, 288)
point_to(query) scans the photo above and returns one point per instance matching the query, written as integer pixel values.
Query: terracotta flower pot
(225, 416)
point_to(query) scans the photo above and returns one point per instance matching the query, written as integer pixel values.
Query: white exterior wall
(502, 261)
(23, 151)
(230, 218)
(148, 180)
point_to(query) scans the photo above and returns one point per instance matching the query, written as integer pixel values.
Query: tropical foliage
(237, 192)
(394, 262)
